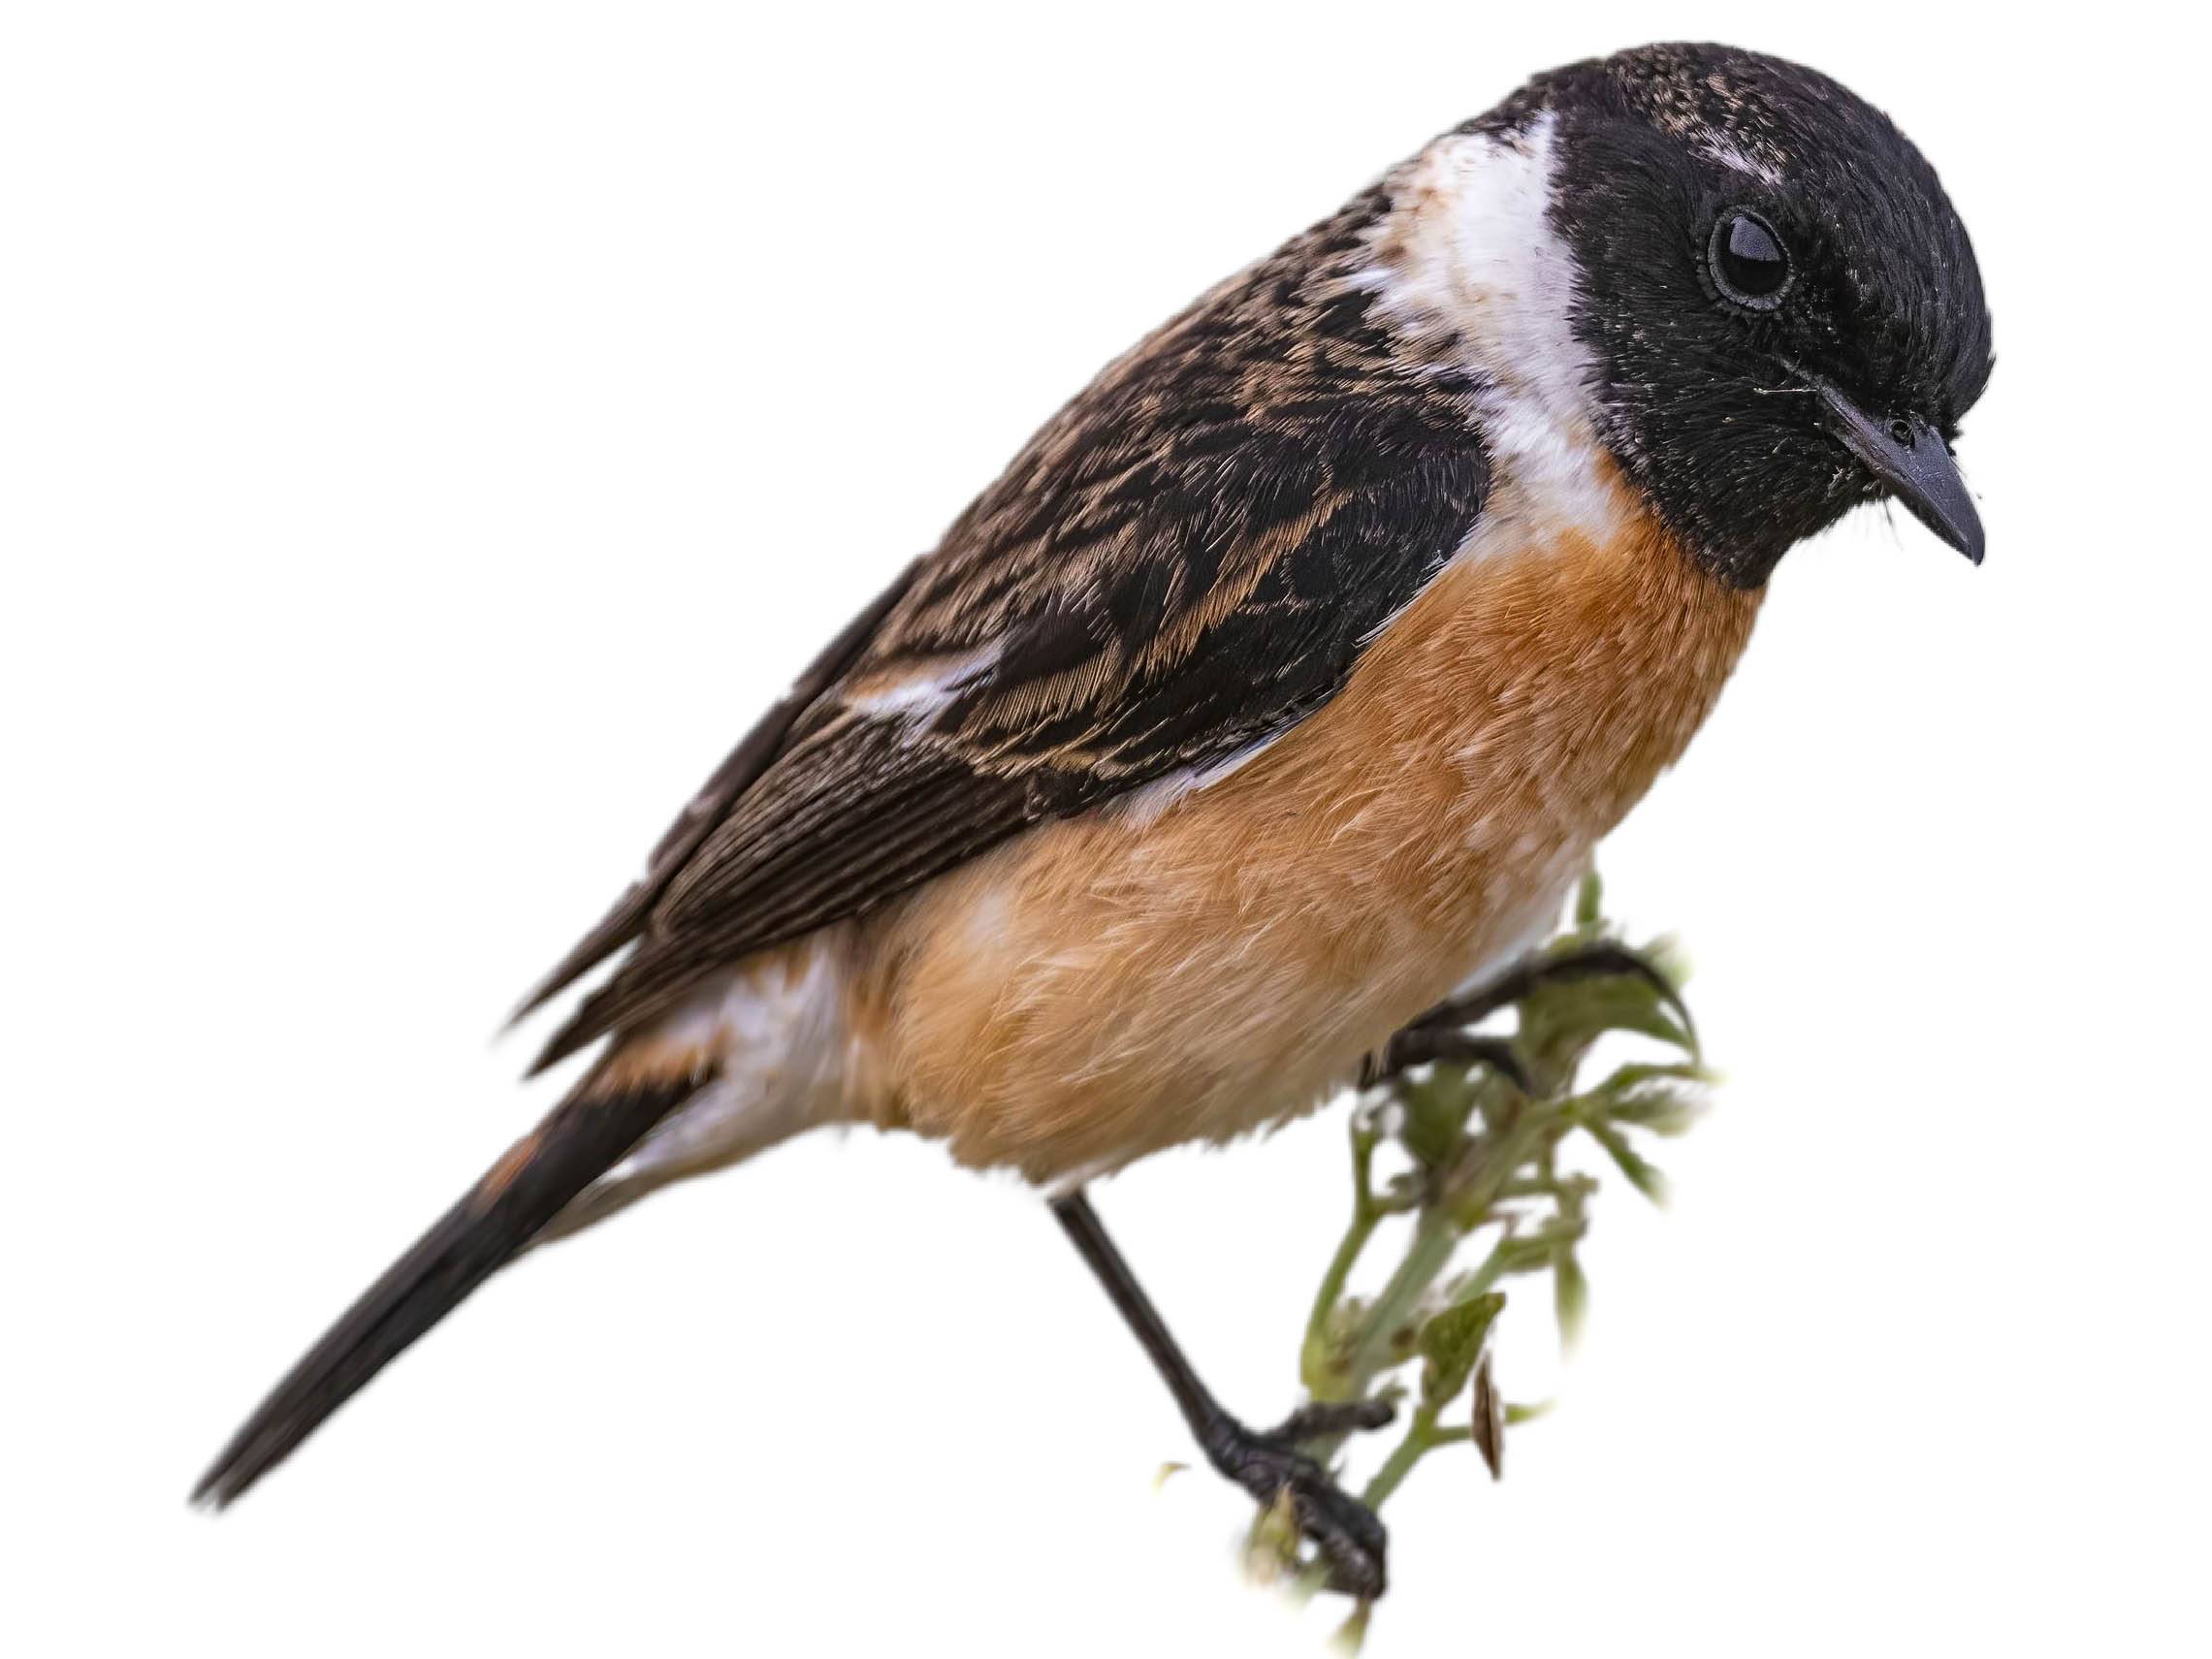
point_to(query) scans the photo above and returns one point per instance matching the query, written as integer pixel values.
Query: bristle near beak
(1912, 461)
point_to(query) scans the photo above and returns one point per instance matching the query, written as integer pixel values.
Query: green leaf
(1643, 1013)
(1570, 1296)
(1642, 1175)
(1352, 1634)
(1271, 1547)
(1436, 1112)
(1522, 1256)
(1452, 1343)
(1584, 1010)
(1665, 1099)
(1659, 1110)
(1638, 1075)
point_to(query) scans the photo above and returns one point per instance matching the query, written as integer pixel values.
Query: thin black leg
(1200, 1409)
(1351, 1540)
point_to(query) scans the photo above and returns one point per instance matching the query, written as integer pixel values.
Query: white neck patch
(1468, 264)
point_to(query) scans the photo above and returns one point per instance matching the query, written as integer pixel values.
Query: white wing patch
(921, 691)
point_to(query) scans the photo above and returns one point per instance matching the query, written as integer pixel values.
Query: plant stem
(1434, 1239)
(1318, 1363)
(1315, 1360)
(1422, 1436)
(1469, 1192)
(1483, 1280)
(1483, 1143)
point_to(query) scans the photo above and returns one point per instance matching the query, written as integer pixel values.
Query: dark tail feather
(585, 1137)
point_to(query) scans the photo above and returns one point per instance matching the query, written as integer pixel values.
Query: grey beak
(1914, 463)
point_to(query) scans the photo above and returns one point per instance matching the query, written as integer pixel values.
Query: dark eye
(1750, 264)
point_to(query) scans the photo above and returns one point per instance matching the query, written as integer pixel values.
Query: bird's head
(1776, 309)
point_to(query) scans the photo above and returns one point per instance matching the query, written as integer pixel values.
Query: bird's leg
(1442, 1033)
(1350, 1539)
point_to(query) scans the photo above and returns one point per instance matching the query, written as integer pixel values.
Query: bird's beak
(1913, 463)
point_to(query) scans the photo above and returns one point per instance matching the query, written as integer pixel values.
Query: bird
(1262, 713)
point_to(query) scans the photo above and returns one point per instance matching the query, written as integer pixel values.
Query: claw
(1422, 1045)
(1348, 1537)
(1602, 961)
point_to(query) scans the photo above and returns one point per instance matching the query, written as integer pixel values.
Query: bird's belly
(1112, 984)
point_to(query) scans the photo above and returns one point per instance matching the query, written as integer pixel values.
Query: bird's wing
(1182, 565)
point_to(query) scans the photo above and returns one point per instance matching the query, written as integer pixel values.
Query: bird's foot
(1422, 1044)
(1347, 1536)
(1607, 959)
(1329, 1420)
(1443, 1034)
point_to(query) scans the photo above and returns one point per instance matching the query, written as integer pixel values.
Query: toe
(1322, 1420)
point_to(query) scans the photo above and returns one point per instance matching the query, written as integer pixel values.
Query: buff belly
(1196, 962)
(1159, 972)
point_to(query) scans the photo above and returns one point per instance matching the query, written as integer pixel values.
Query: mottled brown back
(1183, 562)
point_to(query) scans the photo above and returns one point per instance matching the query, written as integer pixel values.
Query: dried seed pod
(1489, 1420)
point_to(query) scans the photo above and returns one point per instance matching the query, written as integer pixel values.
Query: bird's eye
(1750, 264)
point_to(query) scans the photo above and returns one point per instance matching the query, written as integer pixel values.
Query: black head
(1783, 308)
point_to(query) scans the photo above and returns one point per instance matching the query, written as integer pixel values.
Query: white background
(429, 433)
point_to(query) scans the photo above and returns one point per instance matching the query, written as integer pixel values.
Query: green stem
(1421, 1437)
(1483, 1280)
(1318, 1363)
(1434, 1239)
(1315, 1360)
(1471, 1192)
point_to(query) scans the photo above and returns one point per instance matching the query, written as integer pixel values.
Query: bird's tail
(588, 1133)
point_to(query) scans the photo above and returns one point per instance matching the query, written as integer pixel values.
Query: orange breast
(1112, 984)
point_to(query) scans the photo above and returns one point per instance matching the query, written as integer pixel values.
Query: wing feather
(754, 754)
(1184, 562)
